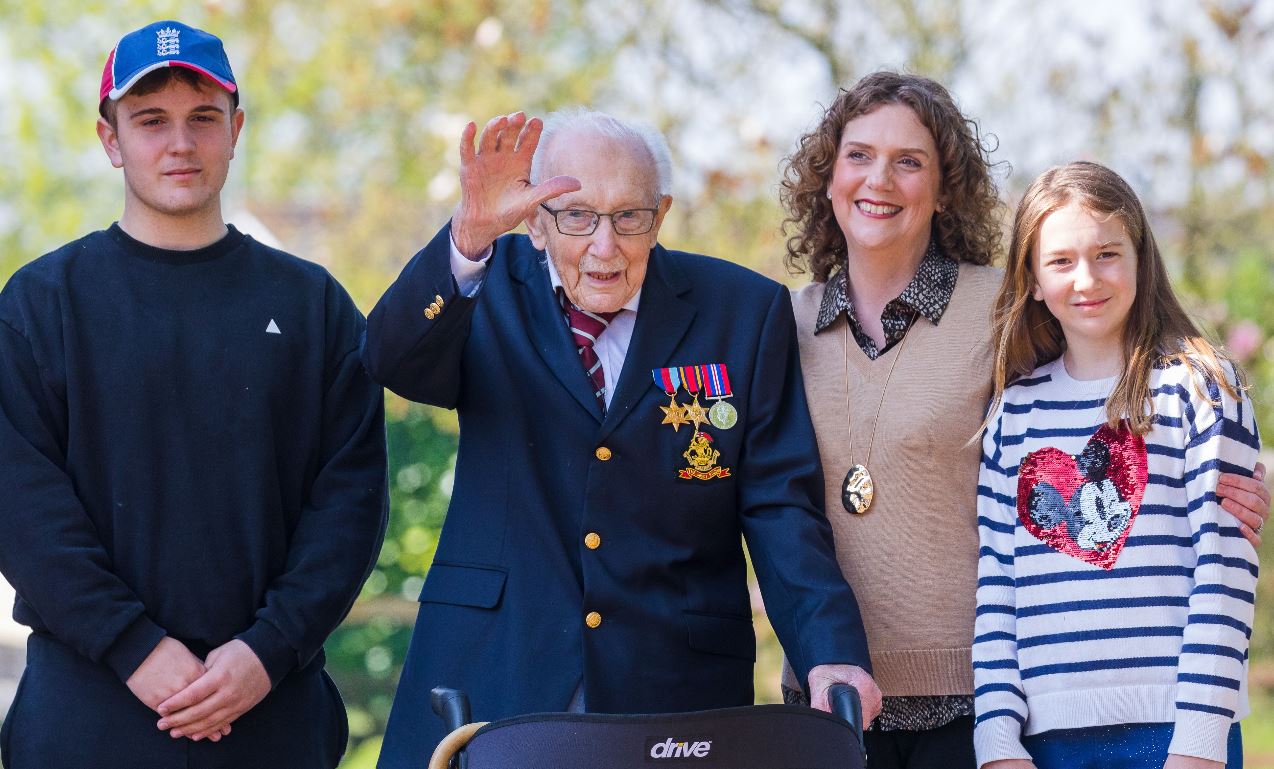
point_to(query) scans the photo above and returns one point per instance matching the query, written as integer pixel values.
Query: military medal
(669, 380)
(716, 386)
(693, 382)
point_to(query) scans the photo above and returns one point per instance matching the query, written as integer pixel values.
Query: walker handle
(451, 705)
(847, 705)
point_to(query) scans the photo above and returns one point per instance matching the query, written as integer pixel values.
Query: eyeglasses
(579, 221)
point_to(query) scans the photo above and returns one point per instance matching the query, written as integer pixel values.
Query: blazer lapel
(663, 318)
(548, 331)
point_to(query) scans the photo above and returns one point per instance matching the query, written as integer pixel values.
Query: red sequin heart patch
(1084, 505)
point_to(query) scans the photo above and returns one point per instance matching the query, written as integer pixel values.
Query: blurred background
(354, 110)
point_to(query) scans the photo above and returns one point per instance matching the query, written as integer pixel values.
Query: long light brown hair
(1157, 331)
(967, 228)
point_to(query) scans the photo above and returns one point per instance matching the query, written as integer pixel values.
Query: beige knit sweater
(912, 559)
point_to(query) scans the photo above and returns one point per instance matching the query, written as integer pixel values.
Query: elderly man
(626, 413)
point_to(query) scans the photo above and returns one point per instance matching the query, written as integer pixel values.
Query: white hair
(600, 124)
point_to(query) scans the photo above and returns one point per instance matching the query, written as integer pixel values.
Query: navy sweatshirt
(189, 447)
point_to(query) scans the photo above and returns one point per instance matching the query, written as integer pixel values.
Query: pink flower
(1245, 338)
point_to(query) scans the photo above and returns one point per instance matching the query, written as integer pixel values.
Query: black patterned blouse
(927, 294)
(912, 714)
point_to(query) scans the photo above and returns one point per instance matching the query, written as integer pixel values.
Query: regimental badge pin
(702, 457)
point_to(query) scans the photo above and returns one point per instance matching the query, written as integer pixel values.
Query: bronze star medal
(695, 413)
(669, 380)
(674, 414)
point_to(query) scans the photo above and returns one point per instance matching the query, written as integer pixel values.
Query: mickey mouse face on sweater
(1084, 506)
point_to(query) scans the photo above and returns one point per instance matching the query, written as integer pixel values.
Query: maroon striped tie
(586, 327)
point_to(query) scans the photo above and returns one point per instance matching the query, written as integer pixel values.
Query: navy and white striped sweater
(1112, 587)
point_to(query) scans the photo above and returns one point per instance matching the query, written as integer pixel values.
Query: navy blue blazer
(505, 607)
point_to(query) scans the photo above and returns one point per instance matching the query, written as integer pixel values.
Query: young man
(192, 456)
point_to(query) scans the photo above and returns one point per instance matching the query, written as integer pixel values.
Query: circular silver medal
(858, 490)
(722, 415)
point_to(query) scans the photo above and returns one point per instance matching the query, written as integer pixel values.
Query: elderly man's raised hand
(496, 193)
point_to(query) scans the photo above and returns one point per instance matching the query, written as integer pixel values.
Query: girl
(1114, 599)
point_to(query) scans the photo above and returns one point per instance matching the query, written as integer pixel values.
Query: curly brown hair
(967, 228)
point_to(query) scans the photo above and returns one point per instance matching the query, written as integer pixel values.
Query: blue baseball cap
(164, 44)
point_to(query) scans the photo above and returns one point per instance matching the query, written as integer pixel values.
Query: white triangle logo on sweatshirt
(273, 328)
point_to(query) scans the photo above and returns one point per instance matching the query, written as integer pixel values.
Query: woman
(894, 214)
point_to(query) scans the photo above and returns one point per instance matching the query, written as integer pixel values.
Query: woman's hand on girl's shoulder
(1248, 500)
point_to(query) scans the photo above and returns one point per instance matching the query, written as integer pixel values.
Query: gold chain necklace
(858, 490)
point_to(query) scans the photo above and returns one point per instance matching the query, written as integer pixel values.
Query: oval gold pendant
(857, 491)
